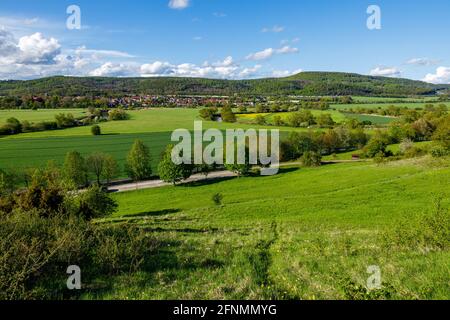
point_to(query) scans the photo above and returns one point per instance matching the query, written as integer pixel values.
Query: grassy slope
(294, 235)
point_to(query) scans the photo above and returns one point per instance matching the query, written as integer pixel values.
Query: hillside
(305, 83)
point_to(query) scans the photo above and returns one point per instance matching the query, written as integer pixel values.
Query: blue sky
(224, 38)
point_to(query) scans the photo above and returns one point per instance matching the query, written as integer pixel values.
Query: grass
(358, 99)
(153, 126)
(337, 116)
(377, 120)
(409, 105)
(302, 234)
(37, 115)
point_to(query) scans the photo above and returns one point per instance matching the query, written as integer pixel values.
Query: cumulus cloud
(110, 69)
(270, 52)
(422, 62)
(285, 73)
(37, 49)
(178, 4)
(442, 76)
(33, 49)
(156, 68)
(224, 69)
(386, 72)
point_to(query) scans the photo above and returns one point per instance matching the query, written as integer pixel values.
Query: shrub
(96, 130)
(95, 203)
(439, 151)
(118, 115)
(35, 253)
(217, 199)
(312, 159)
(429, 231)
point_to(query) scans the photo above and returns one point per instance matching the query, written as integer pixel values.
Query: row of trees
(396, 111)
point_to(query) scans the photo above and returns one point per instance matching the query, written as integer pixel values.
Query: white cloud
(110, 69)
(442, 76)
(385, 72)
(198, 38)
(422, 61)
(156, 68)
(261, 55)
(178, 4)
(250, 72)
(104, 53)
(37, 49)
(226, 69)
(286, 50)
(285, 73)
(270, 52)
(275, 29)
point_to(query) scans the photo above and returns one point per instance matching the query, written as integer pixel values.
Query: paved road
(196, 177)
(159, 183)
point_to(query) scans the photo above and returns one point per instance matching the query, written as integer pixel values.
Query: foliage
(96, 130)
(95, 203)
(217, 199)
(75, 169)
(138, 164)
(312, 159)
(171, 172)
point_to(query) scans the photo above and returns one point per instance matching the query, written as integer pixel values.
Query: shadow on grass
(152, 213)
(205, 182)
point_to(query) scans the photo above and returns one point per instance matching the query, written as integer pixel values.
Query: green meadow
(37, 115)
(303, 234)
(153, 126)
(409, 105)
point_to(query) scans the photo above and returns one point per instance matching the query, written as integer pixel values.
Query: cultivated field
(37, 115)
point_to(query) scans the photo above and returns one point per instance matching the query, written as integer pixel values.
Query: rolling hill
(305, 83)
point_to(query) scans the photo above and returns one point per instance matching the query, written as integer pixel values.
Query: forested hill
(305, 83)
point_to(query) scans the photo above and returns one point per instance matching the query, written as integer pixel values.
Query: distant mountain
(305, 83)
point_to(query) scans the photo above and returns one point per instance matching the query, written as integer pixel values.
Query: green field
(37, 115)
(337, 116)
(355, 106)
(394, 100)
(154, 127)
(377, 120)
(302, 234)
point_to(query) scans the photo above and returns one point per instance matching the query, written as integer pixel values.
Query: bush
(217, 199)
(118, 115)
(95, 203)
(439, 151)
(427, 232)
(35, 253)
(311, 159)
(96, 130)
